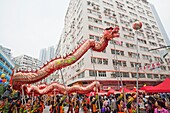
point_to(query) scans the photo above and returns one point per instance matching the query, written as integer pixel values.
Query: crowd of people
(14, 102)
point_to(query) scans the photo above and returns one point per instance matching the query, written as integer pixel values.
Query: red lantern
(137, 25)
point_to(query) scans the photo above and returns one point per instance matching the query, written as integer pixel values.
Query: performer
(60, 104)
(94, 104)
(76, 106)
(5, 106)
(70, 108)
(84, 104)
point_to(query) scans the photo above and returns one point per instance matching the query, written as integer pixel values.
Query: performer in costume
(76, 106)
(70, 108)
(94, 104)
(60, 104)
(5, 106)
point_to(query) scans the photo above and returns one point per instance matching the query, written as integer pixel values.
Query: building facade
(86, 19)
(6, 65)
(5, 50)
(160, 25)
(26, 63)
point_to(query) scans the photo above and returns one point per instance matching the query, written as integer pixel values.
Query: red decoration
(137, 25)
(21, 78)
(151, 66)
(46, 89)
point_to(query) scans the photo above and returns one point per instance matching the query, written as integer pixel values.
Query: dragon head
(110, 33)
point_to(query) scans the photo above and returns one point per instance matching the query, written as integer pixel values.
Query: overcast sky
(26, 26)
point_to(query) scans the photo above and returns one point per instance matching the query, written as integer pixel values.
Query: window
(169, 68)
(97, 38)
(141, 75)
(144, 48)
(133, 75)
(161, 45)
(126, 29)
(156, 76)
(152, 43)
(143, 18)
(121, 63)
(105, 61)
(102, 73)
(104, 51)
(160, 40)
(94, 20)
(157, 59)
(93, 60)
(149, 76)
(162, 76)
(110, 24)
(108, 4)
(114, 75)
(95, 29)
(131, 13)
(163, 68)
(81, 75)
(167, 60)
(146, 57)
(134, 64)
(133, 55)
(128, 37)
(99, 60)
(92, 73)
(125, 74)
(132, 46)
(117, 52)
(142, 41)
(150, 37)
(91, 36)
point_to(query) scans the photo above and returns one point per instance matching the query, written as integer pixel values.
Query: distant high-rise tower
(50, 53)
(43, 56)
(46, 54)
(86, 19)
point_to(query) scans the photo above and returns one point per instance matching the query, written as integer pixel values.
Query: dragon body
(21, 78)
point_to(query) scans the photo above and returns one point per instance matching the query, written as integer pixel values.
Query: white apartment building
(86, 19)
(26, 62)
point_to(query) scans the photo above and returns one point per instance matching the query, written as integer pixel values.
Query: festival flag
(151, 66)
(118, 42)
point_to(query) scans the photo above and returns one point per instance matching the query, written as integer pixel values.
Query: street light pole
(137, 72)
(136, 26)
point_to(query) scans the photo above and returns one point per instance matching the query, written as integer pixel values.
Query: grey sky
(26, 26)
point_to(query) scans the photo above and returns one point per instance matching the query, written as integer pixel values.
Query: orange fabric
(61, 109)
(130, 110)
(94, 108)
(120, 108)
